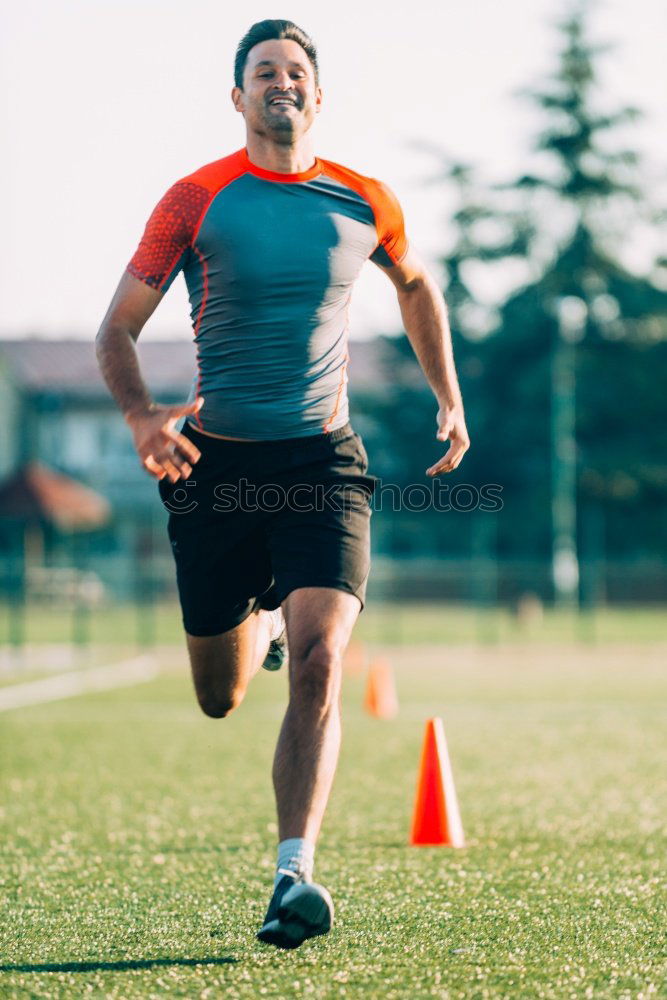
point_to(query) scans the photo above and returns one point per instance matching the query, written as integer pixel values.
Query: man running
(266, 481)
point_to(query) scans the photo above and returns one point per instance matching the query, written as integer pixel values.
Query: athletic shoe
(298, 910)
(277, 654)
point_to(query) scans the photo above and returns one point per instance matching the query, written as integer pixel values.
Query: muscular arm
(425, 318)
(162, 450)
(131, 307)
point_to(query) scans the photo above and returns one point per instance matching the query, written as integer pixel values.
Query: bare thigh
(319, 621)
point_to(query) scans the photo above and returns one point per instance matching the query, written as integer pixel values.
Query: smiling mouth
(282, 102)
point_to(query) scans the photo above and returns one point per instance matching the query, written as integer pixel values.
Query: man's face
(279, 98)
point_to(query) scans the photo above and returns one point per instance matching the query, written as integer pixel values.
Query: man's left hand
(451, 427)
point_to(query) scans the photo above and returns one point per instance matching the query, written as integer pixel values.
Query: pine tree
(566, 221)
(587, 188)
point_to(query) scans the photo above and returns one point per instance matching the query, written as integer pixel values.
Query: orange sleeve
(392, 242)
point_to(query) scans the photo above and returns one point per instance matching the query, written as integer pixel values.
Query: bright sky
(107, 103)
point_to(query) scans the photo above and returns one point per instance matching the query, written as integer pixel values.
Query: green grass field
(138, 836)
(381, 621)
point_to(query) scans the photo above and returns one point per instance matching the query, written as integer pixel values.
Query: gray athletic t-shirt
(270, 260)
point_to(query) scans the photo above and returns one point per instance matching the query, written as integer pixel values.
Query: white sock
(295, 855)
(277, 623)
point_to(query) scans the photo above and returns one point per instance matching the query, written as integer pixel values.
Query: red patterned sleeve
(168, 235)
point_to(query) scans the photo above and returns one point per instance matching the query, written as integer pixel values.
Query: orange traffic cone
(381, 699)
(436, 819)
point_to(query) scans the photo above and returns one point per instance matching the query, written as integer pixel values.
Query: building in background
(57, 415)
(56, 409)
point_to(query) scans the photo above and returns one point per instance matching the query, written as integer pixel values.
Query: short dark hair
(265, 31)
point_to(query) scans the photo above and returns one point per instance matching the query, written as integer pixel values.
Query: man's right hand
(162, 450)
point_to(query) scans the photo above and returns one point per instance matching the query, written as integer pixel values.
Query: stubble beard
(282, 129)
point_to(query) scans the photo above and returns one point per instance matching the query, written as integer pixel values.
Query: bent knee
(316, 677)
(216, 705)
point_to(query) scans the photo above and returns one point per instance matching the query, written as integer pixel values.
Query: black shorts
(257, 519)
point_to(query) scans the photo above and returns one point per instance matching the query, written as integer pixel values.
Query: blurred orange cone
(381, 699)
(436, 819)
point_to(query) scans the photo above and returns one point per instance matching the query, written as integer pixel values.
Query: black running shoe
(298, 910)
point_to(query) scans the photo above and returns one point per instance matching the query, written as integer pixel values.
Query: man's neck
(268, 155)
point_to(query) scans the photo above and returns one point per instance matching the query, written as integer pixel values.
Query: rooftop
(70, 366)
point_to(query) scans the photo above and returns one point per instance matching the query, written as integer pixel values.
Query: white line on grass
(76, 682)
